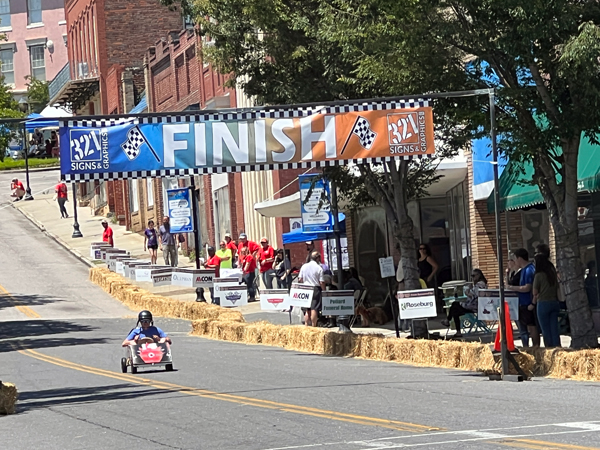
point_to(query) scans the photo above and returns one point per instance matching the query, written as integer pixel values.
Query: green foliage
(10, 164)
(9, 109)
(37, 94)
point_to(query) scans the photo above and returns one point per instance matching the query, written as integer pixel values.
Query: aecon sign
(417, 304)
(245, 140)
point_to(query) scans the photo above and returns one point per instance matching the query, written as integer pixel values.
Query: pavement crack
(106, 427)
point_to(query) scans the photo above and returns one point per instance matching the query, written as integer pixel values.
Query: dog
(375, 315)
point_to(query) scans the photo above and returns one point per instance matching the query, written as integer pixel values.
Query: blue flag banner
(180, 210)
(315, 208)
(245, 140)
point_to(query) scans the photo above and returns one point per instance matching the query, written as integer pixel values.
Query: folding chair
(359, 300)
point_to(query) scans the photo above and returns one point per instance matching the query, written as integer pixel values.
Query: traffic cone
(510, 342)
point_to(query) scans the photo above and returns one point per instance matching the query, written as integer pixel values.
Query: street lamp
(24, 107)
(76, 231)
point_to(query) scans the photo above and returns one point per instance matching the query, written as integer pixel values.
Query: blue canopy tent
(297, 235)
(35, 120)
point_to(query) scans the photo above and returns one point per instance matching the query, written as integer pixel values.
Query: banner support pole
(195, 221)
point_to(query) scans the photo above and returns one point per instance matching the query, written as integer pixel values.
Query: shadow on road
(31, 400)
(10, 301)
(35, 334)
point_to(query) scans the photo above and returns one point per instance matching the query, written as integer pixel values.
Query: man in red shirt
(17, 189)
(248, 265)
(61, 192)
(252, 246)
(214, 263)
(231, 245)
(107, 235)
(266, 256)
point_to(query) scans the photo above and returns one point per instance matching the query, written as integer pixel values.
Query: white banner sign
(162, 277)
(231, 273)
(489, 302)
(129, 267)
(144, 273)
(226, 282)
(301, 295)
(96, 249)
(230, 296)
(338, 303)
(274, 299)
(386, 267)
(203, 278)
(109, 250)
(417, 304)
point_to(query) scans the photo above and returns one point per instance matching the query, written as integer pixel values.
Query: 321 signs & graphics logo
(89, 149)
(406, 133)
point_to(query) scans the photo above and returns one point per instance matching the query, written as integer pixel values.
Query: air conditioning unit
(83, 71)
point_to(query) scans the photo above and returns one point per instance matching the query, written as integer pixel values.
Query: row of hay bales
(8, 398)
(226, 324)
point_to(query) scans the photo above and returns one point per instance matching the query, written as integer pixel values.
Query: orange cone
(510, 342)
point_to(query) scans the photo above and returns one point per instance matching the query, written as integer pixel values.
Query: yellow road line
(542, 445)
(19, 306)
(284, 407)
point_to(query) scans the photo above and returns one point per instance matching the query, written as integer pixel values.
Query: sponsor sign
(231, 296)
(386, 267)
(329, 248)
(110, 250)
(226, 282)
(315, 208)
(489, 302)
(417, 304)
(180, 210)
(96, 249)
(301, 295)
(120, 265)
(273, 137)
(231, 273)
(112, 258)
(203, 278)
(128, 267)
(338, 303)
(162, 277)
(274, 299)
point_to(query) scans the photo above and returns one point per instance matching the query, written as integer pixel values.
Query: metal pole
(503, 344)
(342, 320)
(76, 231)
(195, 217)
(27, 195)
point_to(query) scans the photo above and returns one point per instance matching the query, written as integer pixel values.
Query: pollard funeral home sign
(245, 140)
(418, 304)
(338, 303)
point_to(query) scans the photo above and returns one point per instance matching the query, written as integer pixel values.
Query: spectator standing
(151, 241)
(225, 255)
(17, 189)
(513, 272)
(527, 325)
(213, 263)
(310, 247)
(591, 284)
(457, 309)
(248, 264)
(266, 257)
(38, 136)
(428, 267)
(311, 274)
(168, 243)
(252, 246)
(283, 270)
(545, 296)
(231, 245)
(48, 148)
(61, 195)
(107, 235)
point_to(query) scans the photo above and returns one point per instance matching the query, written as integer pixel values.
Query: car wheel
(124, 365)
(169, 367)
(133, 369)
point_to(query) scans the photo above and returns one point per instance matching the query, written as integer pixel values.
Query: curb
(42, 228)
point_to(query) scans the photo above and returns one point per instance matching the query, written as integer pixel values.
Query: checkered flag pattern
(134, 141)
(362, 129)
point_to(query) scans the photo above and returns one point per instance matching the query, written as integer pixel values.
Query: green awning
(517, 192)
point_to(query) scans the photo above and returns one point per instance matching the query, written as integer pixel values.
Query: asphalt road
(60, 343)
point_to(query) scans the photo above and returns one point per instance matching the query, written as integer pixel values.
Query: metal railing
(59, 81)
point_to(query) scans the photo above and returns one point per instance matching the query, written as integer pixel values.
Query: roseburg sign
(417, 304)
(245, 140)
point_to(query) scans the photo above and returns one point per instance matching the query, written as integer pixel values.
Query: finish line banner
(245, 141)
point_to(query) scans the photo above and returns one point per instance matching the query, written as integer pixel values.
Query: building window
(6, 66)
(134, 201)
(149, 192)
(4, 13)
(34, 11)
(38, 63)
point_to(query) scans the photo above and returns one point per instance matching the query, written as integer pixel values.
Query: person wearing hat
(213, 263)
(107, 235)
(231, 245)
(18, 191)
(266, 256)
(252, 246)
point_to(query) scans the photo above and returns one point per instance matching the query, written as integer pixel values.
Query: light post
(76, 231)
(24, 107)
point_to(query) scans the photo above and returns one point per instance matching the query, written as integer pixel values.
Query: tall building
(36, 41)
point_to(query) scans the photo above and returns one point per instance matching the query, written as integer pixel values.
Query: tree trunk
(561, 200)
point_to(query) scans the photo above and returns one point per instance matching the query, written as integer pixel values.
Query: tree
(37, 94)
(9, 109)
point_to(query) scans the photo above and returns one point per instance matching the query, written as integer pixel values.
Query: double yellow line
(542, 445)
(19, 306)
(284, 407)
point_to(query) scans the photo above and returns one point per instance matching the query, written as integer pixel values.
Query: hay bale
(227, 331)
(200, 327)
(8, 398)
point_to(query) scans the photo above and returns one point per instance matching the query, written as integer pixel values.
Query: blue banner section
(316, 211)
(180, 210)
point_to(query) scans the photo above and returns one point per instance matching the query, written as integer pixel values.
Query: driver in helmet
(146, 330)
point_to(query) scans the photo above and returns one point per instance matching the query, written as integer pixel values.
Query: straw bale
(200, 327)
(253, 332)
(270, 335)
(227, 331)
(338, 344)
(8, 398)
(372, 346)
